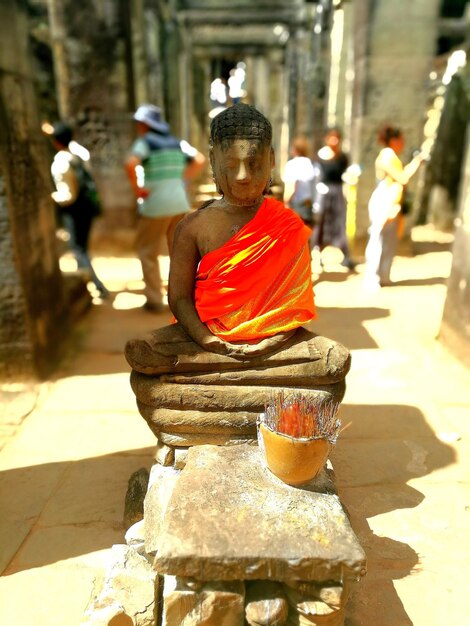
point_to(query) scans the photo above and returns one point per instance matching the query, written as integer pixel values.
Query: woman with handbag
(385, 206)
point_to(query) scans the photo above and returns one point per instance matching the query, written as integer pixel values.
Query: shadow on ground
(346, 325)
(425, 247)
(332, 277)
(96, 344)
(380, 450)
(419, 282)
(57, 511)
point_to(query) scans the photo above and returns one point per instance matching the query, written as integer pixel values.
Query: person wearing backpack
(158, 167)
(75, 195)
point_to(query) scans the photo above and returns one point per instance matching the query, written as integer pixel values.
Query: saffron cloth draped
(258, 284)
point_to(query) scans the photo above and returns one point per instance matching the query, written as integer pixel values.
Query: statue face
(242, 169)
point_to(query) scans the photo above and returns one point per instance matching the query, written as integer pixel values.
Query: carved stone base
(191, 397)
(231, 540)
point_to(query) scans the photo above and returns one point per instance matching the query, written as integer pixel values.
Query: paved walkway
(402, 462)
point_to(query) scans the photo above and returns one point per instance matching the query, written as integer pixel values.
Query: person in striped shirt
(159, 166)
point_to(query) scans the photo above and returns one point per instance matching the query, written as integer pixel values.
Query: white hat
(152, 116)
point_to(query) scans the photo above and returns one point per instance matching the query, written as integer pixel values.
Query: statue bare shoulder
(210, 227)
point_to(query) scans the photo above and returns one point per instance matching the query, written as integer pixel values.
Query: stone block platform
(191, 397)
(226, 518)
(231, 543)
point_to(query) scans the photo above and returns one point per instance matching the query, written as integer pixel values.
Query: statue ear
(270, 181)
(267, 189)
(217, 186)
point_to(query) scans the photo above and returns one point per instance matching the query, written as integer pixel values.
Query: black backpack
(88, 191)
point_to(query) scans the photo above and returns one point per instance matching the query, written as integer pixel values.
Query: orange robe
(259, 283)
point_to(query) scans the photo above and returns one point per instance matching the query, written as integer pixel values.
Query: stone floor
(68, 447)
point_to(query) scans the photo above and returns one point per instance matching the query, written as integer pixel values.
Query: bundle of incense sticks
(302, 417)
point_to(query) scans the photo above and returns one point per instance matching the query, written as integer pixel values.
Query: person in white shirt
(75, 194)
(299, 177)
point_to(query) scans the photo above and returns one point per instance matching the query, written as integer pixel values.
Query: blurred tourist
(75, 195)
(158, 166)
(385, 206)
(300, 176)
(330, 204)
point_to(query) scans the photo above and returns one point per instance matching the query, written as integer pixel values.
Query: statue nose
(242, 172)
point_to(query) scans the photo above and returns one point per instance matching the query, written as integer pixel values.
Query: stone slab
(129, 590)
(221, 415)
(229, 518)
(152, 392)
(202, 422)
(214, 603)
(312, 374)
(161, 485)
(24, 492)
(202, 439)
(169, 349)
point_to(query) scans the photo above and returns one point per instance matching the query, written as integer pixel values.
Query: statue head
(241, 154)
(241, 121)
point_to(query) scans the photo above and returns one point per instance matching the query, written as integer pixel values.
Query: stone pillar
(102, 64)
(394, 47)
(442, 179)
(31, 289)
(341, 72)
(171, 47)
(277, 106)
(139, 65)
(455, 328)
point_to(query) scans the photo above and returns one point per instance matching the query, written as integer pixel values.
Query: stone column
(341, 71)
(394, 47)
(101, 66)
(31, 290)
(455, 328)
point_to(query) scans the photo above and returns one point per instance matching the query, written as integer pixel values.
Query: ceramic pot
(294, 461)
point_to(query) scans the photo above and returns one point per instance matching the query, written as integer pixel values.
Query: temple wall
(455, 327)
(394, 44)
(106, 60)
(31, 288)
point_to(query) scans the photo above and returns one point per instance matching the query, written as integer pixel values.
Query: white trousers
(380, 251)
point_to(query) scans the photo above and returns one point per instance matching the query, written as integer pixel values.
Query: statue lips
(247, 190)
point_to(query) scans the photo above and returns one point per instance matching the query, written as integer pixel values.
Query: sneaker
(349, 263)
(104, 293)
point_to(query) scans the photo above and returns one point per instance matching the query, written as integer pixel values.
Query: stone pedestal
(226, 521)
(190, 397)
(231, 543)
